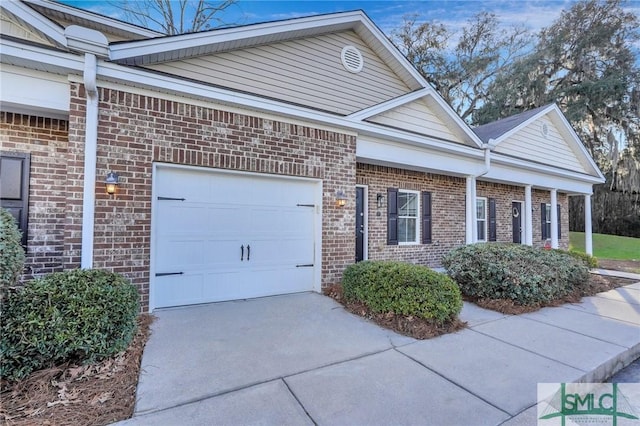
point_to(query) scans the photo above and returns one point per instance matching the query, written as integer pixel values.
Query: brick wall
(538, 197)
(46, 140)
(136, 130)
(448, 213)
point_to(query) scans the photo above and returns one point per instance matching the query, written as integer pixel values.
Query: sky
(534, 14)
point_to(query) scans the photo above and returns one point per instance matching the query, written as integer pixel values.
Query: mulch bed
(407, 325)
(97, 394)
(596, 284)
(632, 266)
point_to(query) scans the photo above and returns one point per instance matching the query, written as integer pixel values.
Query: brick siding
(46, 140)
(448, 212)
(135, 130)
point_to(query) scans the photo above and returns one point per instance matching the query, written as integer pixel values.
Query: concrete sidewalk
(301, 359)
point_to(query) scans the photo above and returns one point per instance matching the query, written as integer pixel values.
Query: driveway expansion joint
(454, 382)
(298, 401)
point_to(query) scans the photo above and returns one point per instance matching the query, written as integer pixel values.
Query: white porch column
(528, 216)
(554, 219)
(469, 210)
(588, 242)
(474, 222)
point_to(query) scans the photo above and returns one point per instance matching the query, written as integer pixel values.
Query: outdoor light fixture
(380, 200)
(111, 183)
(341, 199)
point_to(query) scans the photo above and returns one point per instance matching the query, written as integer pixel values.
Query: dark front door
(359, 224)
(516, 209)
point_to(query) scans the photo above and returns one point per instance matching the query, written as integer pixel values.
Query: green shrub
(590, 261)
(11, 252)
(402, 288)
(526, 275)
(78, 316)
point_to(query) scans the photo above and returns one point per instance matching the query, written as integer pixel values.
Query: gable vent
(352, 59)
(545, 130)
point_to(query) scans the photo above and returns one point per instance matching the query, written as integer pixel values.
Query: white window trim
(417, 217)
(547, 207)
(485, 220)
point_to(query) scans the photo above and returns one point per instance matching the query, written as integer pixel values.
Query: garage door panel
(202, 236)
(223, 253)
(182, 217)
(177, 254)
(176, 290)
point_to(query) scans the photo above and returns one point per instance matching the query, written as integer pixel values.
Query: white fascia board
(542, 169)
(141, 78)
(131, 49)
(102, 20)
(392, 154)
(410, 97)
(456, 118)
(513, 175)
(28, 53)
(577, 141)
(395, 53)
(36, 21)
(363, 114)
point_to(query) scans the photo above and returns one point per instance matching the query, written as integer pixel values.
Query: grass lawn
(608, 246)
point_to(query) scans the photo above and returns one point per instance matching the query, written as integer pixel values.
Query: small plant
(403, 288)
(11, 252)
(77, 316)
(590, 261)
(523, 274)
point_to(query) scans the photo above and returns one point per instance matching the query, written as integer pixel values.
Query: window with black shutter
(14, 188)
(392, 216)
(426, 217)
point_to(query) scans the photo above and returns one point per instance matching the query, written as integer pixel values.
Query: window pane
(407, 204)
(406, 230)
(481, 209)
(548, 215)
(482, 235)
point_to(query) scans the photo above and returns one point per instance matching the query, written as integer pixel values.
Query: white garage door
(225, 236)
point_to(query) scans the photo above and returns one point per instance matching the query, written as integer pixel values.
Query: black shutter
(426, 217)
(559, 222)
(543, 220)
(392, 216)
(492, 220)
(14, 190)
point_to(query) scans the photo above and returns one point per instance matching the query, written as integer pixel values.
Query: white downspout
(90, 154)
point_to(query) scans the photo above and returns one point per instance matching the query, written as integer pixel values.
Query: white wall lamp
(380, 200)
(341, 199)
(111, 183)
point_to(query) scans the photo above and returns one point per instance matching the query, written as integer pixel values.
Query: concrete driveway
(302, 359)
